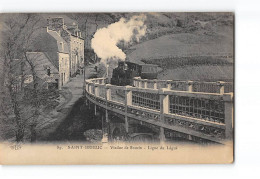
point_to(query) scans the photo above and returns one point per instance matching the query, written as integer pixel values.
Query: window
(48, 71)
(61, 45)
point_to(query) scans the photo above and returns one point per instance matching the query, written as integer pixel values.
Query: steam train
(125, 72)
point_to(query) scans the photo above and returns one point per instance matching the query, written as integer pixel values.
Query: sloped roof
(59, 40)
(41, 62)
(53, 61)
(49, 43)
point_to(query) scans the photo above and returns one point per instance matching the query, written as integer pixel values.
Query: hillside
(187, 56)
(199, 48)
(199, 73)
(184, 45)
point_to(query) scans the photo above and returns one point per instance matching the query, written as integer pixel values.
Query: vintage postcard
(117, 88)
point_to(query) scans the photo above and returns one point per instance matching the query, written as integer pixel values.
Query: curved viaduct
(200, 112)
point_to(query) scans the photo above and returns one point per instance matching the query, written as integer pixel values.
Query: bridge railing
(192, 86)
(196, 114)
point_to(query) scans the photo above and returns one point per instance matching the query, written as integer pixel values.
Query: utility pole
(84, 78)
(106, 70)
(84, 70)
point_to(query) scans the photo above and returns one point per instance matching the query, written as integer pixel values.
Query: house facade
(62, 58)
(72, 35)
(58, 52)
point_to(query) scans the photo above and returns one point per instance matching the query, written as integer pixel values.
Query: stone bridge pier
(117, 127)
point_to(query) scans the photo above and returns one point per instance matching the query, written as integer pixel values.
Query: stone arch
(142, 137)
(117, 131)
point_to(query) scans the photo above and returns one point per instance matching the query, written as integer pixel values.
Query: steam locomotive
(125, 72)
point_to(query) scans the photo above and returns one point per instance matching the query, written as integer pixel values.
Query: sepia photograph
(157, 83)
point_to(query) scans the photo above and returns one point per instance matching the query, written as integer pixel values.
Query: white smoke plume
(105, 40)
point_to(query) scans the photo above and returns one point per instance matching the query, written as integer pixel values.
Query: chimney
(55, 24)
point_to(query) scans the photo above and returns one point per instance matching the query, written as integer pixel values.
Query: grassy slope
(199, 73)
(195, 44)
(184, 44)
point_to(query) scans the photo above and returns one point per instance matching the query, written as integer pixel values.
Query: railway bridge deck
(201, 112)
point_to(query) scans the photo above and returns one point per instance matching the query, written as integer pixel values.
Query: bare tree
(18, 38)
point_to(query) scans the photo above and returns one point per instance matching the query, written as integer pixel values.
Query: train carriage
(149, 71)
(126, 71)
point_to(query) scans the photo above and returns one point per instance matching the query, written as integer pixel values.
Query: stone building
(72, 35)
(50, 53)
(57, 52)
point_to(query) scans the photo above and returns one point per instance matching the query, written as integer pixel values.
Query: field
(199, 73)
(184, 45)
(198, 55)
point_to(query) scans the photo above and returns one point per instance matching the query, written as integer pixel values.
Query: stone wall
(64, 70)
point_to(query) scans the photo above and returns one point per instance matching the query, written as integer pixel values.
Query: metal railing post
(106, 122)
(221, 87)
(228, 107)
(162, 135)
(155, 85)
(128, 102)
(96, 91)
(86, 86)
(134, 82)
(90, 88)
(164, 109)
(164, 101)
(189, 87)
(168, 84)
(128, 95)
(140, 84)
(108, 92)
(145, 83)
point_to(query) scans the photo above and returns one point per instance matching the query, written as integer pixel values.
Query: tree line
(21, 104)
